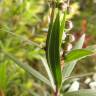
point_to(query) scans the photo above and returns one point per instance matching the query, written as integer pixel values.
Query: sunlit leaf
(78, 54)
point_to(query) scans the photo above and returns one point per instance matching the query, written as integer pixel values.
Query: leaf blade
(29, 69)
(48, 71)
(85, 92)
(53, 52)
(78, 54)
(3, 76)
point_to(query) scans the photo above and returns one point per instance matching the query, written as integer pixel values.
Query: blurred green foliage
(19, 22)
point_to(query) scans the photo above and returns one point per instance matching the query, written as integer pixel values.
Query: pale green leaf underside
(79, 43)
(85, 92)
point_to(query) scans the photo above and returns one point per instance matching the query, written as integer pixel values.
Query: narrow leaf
(85, 92)
(68, 69)
(79, 43)
(22, 38)
(53, 52)
(49, 34)
(3, 75)
(92, 47)
(29, 69)
(78, 54)
(48, 71)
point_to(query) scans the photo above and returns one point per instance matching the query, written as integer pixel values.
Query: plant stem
(56, 93)
(80, 76)
(68, 2)
(23, 39)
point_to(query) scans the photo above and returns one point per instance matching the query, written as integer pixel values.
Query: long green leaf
(70, 66)
(22, 38)
(3, 75)
(29, 69)
(26, 67)
(53, 52)
(48, 71)
(78, 54)
(86, 92)
(49, 35)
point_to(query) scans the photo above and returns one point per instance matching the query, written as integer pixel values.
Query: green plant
(54, 45)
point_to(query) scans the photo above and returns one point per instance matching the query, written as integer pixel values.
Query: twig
(22, 38)
(52, 12)
(80, 76)
(68, 2)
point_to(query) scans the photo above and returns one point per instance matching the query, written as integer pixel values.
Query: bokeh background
(23, 31)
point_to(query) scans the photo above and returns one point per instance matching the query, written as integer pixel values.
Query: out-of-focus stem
(52, 13)
(56, 93)
(2, 93)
